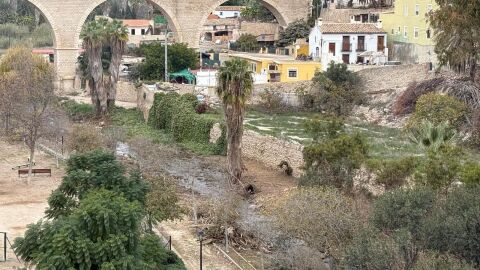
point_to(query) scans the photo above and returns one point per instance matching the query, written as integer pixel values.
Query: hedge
(176, 114)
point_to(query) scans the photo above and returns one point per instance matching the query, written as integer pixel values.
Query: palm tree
(235, 84)
(94, 35)
(430, 136)
(118, 37)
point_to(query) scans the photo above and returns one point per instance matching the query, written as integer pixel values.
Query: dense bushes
(393, 173)
(420, 229)
(454, 225)
(438, 108)
(335, 91)
(176, 114)
(332, 161)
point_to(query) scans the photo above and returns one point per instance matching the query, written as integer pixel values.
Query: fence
(5, 247)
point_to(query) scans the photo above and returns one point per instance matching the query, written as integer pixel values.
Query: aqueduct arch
(186, 18)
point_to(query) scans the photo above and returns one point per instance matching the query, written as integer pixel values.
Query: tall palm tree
(94, 35)
(118, 37)
(235, 84)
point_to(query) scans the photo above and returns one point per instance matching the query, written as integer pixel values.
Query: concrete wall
(411, 53)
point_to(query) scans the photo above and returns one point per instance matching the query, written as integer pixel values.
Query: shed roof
(350, 28)
(137, 23)
(229, 8)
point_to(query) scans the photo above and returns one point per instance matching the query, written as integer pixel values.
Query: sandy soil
(22, 204)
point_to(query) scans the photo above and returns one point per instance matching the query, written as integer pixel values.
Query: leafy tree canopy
(180, 57)
(295, 30)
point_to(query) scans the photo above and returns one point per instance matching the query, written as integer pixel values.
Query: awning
(186, 74)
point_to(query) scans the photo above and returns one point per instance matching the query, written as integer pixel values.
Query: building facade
(226, 12)
(410, 36)
(279, 68)
(349, 43)
(141, 31)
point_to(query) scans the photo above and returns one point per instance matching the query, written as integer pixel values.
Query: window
(317, 52)
(429, 33)
(415, 32)
(381, 44)
(214, 27)
(253, 67)
(292, 73)
(405, 32)
(221, 13)
(331, 48)
(132, 32)
(346, 44)
(143, 31)
(405, 10)
(399, 31)
(361, 44)
(417, 10)
(393, 31)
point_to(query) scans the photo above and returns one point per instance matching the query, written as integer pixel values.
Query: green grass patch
(384, 142)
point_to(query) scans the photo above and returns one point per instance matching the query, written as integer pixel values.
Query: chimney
(319, 22)
(379, 24)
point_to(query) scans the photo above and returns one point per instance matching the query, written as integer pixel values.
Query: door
(331, 48)
(346, 58)
(380, 44)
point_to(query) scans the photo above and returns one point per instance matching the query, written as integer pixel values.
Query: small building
(219, 30)
(227, 12)
(409, 33)
(279, 68)
(349, 43)
(141, 31)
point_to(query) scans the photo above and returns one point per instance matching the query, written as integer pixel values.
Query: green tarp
(186, 74)
(160, 20)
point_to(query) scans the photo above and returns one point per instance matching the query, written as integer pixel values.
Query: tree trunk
(473, 69)
(234, 116)
(118, 47)
(30, 162)
(96, 80)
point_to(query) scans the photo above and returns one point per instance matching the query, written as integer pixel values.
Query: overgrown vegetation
(95, 219)
(175, 114)
(334, 92)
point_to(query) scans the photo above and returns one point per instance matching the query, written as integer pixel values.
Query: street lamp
(201, 235)
(167, 34)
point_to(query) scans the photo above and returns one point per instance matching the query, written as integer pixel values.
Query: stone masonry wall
(271, 151)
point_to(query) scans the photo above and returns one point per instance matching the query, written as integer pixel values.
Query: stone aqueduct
(185, 18)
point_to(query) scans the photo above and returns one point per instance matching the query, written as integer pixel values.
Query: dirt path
(22, 204)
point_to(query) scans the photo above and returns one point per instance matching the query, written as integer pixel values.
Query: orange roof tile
(350, 28)
(137, 23)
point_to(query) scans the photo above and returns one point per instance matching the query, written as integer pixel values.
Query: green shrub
(156, 257)
(454, 225)
(85, 138)
(440, 167)
(394, 173)
(78, 111)
(438, 108)
(372, 250)
(470, 174)
(402, 209)
(433, 260)
(176, 114)
(333, 161)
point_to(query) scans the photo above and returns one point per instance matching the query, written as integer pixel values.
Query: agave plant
(431, 136)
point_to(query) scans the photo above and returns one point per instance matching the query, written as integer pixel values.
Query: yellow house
(279, 68)
(409, 34)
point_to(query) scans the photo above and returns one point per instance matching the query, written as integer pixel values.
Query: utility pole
(166, 55)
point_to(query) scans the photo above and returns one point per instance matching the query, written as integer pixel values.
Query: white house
(141, 31)
(349, 43)
(225, 12)
(138, 27)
